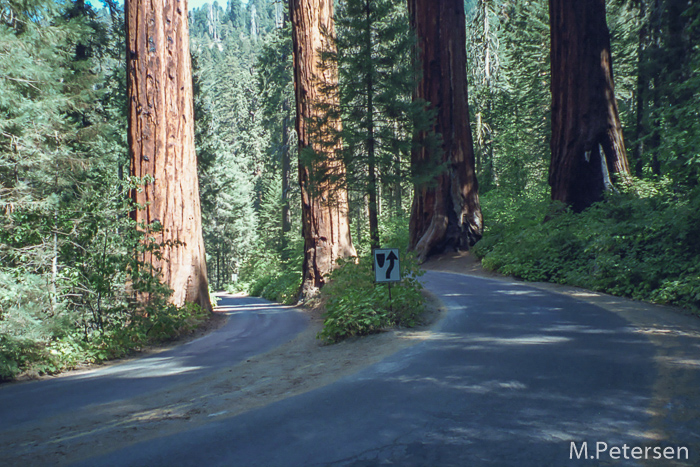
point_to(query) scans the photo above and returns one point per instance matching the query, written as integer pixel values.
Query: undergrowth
(355, 305)
(273, 275)
(64, 351)
(642, 243)
(102, 301)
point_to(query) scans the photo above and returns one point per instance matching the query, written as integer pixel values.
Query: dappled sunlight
(253, 308)
(530, 292)
(469, 339)
(585, 294)
(523, 340)
(153, 367)
(668, 331)
(578, 328)
(681, 362)
(461, 384)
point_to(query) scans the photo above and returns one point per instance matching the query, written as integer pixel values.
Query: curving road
(511, 376)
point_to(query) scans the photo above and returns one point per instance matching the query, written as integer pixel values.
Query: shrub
(355, 305)
(641, 243)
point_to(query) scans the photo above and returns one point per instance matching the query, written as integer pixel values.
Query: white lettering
(579, 450)
(583, 452)
(637, 452)
(625, 448)
(599, 448)
(615, 452)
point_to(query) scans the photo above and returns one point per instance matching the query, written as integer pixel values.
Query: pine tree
(376, 81)
(324, 208)
(514, 102)
(276, 87)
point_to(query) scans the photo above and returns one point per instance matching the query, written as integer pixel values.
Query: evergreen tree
(66, 242)
(276, 88)
(511, 100)
(162, 148)
(485, 56)
(376, 81)
(236, 15)
(325, 221)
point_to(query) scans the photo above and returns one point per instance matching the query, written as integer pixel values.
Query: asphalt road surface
(510, 377)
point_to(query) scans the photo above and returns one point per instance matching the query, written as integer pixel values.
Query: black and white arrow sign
(386, 265)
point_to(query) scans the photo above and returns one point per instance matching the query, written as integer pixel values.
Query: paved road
(254, 326)
(511, 376)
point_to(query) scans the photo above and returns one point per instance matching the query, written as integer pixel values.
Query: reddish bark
(584, 111)
(325, 224)
(161, 142)
(445, 215)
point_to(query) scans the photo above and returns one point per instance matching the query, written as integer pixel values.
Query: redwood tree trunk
(161, 142)
(445, 215)
(587, 145)
(325, 224)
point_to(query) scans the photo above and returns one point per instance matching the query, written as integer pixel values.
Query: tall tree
(325, 222)
(445, 214)
(587, 144)
(275, 87)
(161, 143)
(376, 81)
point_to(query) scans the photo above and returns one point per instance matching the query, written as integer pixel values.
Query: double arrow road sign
(386, 265)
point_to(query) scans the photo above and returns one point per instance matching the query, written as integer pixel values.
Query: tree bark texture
(161, 142)
(587, 144)
(445, 215)
(325, 224)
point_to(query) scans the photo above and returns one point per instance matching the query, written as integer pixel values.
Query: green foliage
(655, 44)
(372, 56)
(73, 283)
(641, 244)
(243, 88)
(274, 274)
(356, 306)
(509, 96)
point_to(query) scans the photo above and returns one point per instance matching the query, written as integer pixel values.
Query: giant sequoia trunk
(325, 224)
(587, 145)
(445, 215)
(161, 142)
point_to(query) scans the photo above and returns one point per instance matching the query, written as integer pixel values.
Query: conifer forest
(152, 154)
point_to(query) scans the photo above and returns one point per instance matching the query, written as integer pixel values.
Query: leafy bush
(101, 301)
(355, 305)
(641, 243)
